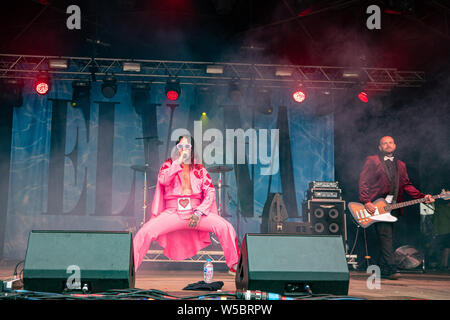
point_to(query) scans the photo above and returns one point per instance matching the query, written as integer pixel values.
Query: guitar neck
(399, 205)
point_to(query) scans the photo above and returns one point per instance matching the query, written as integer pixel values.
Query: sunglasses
(184, 146)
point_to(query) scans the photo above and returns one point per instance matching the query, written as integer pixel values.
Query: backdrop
(71, 168)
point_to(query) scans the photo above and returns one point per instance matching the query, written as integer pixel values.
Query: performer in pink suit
(184, 211)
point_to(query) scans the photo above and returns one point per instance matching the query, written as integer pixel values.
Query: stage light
(42, 85)
(350, 74)
(283, 72)
(298, 96)
(58, 63)
(262, 101)
(11, 92)
(140, 96)
(363, 96)
(131, 67)
(234, 91)
(81, 92)
(173, 89)
(302, 7)
(109, 87)
(214, 69)
(399, 7)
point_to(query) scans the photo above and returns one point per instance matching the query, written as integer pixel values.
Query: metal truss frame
(201, 256)
(194, 73)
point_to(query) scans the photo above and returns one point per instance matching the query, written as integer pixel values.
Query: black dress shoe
(391, 276)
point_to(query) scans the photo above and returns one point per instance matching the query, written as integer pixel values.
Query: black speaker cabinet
(327, 217)
(285, 263)
(99, 260)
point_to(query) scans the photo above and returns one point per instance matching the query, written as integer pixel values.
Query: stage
(291, 140)
(427, 286)
(432, 286)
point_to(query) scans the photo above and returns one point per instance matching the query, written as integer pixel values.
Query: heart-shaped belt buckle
(184, 204)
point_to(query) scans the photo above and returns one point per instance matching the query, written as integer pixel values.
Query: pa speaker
(286, 264)
(96, 261)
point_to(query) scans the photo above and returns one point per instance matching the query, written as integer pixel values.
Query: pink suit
(169, 226)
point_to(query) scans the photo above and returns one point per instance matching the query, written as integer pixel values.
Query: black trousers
(385, 233)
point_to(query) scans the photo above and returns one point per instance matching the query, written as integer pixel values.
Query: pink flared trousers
(169, 221)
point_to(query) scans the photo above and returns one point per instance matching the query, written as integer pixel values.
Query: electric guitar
(383, 209)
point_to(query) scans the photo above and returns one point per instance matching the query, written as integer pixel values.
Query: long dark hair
(192, 148)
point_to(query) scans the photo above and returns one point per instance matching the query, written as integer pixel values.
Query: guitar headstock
(445, 194)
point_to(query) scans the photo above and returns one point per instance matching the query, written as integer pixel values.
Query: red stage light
(173, 89)
(363, 97)
(172, 95)
(305, 12)
(299, 96)
(42, 86)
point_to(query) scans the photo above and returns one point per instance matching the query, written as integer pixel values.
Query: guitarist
(383, 176)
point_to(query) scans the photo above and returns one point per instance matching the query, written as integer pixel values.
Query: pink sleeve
(209, 193)
(168, 171)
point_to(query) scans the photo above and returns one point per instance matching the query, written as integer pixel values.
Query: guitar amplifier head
(320, 193)
(324, 185)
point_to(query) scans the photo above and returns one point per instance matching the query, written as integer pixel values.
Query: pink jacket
(183, 244)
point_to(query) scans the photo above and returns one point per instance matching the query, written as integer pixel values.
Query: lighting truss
(194, 73)
(200, 257)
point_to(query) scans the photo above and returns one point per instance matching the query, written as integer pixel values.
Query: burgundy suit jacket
(374, 182)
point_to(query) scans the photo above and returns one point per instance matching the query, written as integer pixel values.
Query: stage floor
(431, 285)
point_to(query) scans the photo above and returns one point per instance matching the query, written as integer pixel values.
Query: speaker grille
(326, 218)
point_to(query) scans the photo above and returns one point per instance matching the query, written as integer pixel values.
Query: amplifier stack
(324, 209)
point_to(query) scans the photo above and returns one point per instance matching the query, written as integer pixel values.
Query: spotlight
(11, 92)
(350, 74)
(363, 96)
(140, 96)
(58, 64)
(399, 7)
(234, 91)
(298, 96)
(42, 84)
(263, 102)
(109, 87)
(131, 67)
(173, 89)
(283, 72)
(214, 69)
(81, 92)
(302, 7)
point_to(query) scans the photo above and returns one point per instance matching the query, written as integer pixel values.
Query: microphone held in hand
(185, 156)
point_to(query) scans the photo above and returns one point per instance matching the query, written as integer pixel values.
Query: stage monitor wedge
(99, 260)
(285, 263)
